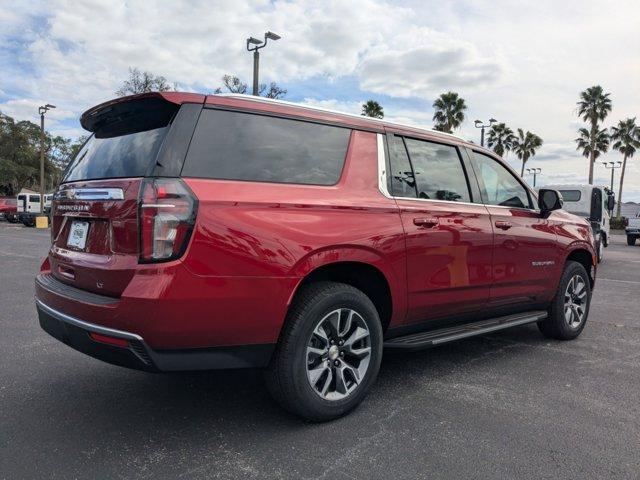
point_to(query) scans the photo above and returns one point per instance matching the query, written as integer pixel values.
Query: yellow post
(42, 222)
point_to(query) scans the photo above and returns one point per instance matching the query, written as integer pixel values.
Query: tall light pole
(535, 172)
(612, 166)
(42, 110)
(480, 124)
(257, 45)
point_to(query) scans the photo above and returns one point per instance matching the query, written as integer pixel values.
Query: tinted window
(501, 187)
(34, 198)
(402, 180)
(571, 195)
(242, 146)
(121, 156)
(438, 171)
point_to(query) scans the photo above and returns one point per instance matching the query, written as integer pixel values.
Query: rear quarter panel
(283, 232)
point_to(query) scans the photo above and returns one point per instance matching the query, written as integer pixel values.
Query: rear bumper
(138, 355)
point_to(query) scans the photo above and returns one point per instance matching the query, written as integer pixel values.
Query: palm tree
(626, 139)
(525, 146)
(593, 144)
(371, 108)
(500, 138)
(594, 106)
(449, 112)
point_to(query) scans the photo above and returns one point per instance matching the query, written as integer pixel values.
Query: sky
(523, 63)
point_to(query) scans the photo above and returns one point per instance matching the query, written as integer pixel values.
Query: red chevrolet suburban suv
(229, 231)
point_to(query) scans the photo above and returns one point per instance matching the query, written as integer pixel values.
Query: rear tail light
(167, 215)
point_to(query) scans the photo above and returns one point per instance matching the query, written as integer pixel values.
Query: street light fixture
(258, 44)
(535, 172)
(41, 111)
(480, 124)
(612, 166)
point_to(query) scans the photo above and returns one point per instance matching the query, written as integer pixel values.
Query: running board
(444, 335)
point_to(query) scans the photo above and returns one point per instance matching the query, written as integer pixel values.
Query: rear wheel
(570, 307)
(329, 352)
(631, 240)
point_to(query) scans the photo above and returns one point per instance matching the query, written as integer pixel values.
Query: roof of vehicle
(269, 104)
(380, 121)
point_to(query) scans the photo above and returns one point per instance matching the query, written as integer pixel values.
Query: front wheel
(631, 240)
(570, 306)
(329, 352)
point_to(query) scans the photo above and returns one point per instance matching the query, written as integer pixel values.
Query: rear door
(526, 254)
(449, 239)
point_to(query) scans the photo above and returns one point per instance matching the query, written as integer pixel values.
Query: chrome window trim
(89, 194)
(382, 168)
(382, 185)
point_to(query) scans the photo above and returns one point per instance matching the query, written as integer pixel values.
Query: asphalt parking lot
(507, 405)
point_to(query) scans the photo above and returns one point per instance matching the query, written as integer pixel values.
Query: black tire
(286, 376)
(555, 325)
(605, 240)
(631, 240)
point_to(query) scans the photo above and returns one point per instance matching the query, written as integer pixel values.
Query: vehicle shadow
(235, 400)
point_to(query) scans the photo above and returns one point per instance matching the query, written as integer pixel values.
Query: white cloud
(522, 64)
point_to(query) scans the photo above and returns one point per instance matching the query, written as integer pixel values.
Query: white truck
(633, 230)
(592, 202)
(28, 207)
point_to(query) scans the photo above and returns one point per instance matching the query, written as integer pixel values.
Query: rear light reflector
(118, 342)
(167, 214)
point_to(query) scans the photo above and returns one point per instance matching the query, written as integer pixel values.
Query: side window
(34, 198)
(403, 183)
(438, 171)
(501, 187)
(251, 147)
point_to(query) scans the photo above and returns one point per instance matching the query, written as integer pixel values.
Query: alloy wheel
(338, 354)
(575, 301)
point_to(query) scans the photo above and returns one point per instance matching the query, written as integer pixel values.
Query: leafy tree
(143, 82)
(592, 144)
(233, 84)
(626, 140)
(500, 138)
(449, 112)
(594, 106)
(525, 146)
(20, 156)
(371, 108)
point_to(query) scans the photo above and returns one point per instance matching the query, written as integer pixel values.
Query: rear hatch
(96, 234)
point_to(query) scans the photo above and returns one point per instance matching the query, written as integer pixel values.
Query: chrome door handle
(503, 225)
(425, 222)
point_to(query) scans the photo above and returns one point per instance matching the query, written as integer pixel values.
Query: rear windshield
(126, 139)
(243, 146)
(122, 156)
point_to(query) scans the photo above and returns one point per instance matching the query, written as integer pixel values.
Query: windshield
(116, 157)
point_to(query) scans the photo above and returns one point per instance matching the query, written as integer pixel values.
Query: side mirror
(611, 202)
(549, 200)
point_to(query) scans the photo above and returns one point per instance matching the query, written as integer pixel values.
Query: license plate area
(78, 234)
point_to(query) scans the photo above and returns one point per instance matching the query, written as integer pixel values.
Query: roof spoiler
(147, 109)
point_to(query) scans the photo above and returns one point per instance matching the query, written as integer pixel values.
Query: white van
(28, 203)
(592, 202)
